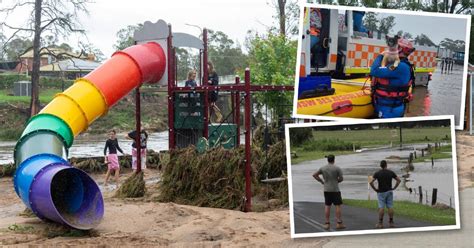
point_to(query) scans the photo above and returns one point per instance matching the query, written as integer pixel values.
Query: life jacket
(381, 89)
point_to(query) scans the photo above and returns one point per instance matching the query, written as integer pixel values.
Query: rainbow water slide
(44, 180)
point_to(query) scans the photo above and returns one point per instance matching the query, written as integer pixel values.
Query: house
(54, 54)
(70, 68)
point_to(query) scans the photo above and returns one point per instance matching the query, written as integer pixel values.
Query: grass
(440, 153)
(313, 155)
(46, 95)
(336, 141)
(412, 210)
(385, 136)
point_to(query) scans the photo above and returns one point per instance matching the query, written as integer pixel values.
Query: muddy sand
(143, 222)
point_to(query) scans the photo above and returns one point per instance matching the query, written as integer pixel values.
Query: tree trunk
(435, 5)
(453, 5)
(282, 16)
(34, 103)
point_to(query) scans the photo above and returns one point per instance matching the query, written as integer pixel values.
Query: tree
(287, 15)
(272, 61)
(455, 45)
(424, 40)
(89, 50)
(2, 43)
(386, 24)
(125, 36)
(16, 47)
(371, 21)
(48, 17)
(226, 56)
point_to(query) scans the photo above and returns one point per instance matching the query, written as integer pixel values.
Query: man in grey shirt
(332, 175)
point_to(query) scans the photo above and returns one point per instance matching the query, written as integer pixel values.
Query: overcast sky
(437, 28)
(233, 17)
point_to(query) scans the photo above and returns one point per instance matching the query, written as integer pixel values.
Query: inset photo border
(333, 79)
(419, 151)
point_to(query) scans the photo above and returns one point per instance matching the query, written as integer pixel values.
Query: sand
(143, 222)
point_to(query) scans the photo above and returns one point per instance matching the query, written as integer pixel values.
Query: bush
(300, 135)
(7, 80)
(329, 145)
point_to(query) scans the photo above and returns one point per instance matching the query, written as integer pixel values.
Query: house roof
(72, 64)
(54, 51)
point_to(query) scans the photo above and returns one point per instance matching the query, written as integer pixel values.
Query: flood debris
(133, 187)
(216, 178)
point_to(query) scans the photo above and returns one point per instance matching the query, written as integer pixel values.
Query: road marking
(312, 223)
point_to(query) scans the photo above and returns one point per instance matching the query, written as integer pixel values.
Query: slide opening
(77, 198)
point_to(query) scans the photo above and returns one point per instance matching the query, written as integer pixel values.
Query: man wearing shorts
(385, 192)
(332, 175)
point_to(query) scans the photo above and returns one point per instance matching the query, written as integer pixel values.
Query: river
(357, 167)
(92, 145)
(441, 97)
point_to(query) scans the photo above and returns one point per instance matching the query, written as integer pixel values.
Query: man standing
(332, 175)
(385, 192)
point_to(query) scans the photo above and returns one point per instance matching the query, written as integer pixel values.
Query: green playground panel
(223, 134)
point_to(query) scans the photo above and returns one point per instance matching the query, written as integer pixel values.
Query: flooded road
(357, 167)
(441, 97)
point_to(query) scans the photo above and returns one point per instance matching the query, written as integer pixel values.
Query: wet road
(309, 218)
(357, 167)
(441, 97)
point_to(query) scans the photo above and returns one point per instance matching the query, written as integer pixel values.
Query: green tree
(88, 49)
(386, 24)
(125, 36)
(287, 15)
(44, 17)
(16, 47)
(272, 61)
(371, 21)
(424, 40)
(226, 56)
(455, 45)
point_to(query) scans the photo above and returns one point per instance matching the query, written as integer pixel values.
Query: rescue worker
(315, 24)
(391, 87)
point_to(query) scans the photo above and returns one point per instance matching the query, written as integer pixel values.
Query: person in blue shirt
(391, 87)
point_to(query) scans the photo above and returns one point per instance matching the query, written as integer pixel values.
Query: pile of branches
(216, 178)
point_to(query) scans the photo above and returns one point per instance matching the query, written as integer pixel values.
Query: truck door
(324, 52)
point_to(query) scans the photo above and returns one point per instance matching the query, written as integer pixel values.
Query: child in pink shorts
(143, 140)
(112, 159)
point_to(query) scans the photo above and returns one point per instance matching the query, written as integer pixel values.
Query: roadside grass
(314, 155)
(440, 153)
(412, 210)
(341, 142)
(367, 138)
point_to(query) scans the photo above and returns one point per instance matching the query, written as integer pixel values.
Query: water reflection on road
(357, 167)
(441, 97)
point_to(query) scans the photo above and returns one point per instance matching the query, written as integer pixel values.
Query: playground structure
(53, 189)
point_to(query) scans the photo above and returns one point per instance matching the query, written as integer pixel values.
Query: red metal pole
(138, 129)
(248, 178)
(171, 131)
(205, 83)
(237, 110)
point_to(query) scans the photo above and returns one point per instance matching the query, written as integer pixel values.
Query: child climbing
(143, 140)
(213, 80)
(112, 159)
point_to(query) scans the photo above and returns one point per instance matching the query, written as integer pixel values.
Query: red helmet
(405, 47)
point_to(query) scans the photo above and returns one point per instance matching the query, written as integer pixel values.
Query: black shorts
(332, 198)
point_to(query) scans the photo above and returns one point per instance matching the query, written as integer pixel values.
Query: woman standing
(112, 159)
(214, 81)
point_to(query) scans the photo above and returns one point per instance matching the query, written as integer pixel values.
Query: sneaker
(326, 226)
(340, 226)
(379, 226)
(391, 224)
